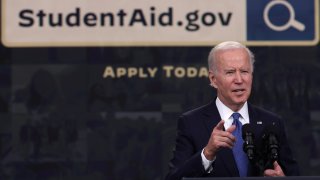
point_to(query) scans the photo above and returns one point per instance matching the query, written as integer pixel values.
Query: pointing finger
(220, 126)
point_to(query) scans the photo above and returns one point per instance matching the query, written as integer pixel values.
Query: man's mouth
(238, 90)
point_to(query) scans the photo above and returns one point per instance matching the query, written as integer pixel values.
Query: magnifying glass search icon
(292, 22)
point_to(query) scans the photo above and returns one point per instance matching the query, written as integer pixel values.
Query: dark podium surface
(257, 178)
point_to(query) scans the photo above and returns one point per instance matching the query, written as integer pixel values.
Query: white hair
(227, 45)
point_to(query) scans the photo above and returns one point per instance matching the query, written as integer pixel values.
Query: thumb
(278, 169)
(276, 165)
(219, 126)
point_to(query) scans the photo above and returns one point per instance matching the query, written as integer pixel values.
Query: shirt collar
(225, 113)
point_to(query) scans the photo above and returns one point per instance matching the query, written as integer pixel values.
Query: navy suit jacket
(194, 130)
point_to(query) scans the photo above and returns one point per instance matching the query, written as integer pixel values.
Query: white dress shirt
(226, 115)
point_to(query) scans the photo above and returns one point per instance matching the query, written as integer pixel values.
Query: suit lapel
(256, 122)
(212, 116)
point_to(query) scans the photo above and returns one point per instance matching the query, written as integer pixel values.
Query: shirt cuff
(207, 163)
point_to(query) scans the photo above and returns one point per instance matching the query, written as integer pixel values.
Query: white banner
(30, 23)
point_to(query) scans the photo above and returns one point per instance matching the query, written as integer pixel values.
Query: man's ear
(212, 78)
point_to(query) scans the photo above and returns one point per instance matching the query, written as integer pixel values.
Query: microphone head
(248, 144)
(271, 141)
(246, 128)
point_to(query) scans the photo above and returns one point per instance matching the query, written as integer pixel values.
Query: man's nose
(238, 78)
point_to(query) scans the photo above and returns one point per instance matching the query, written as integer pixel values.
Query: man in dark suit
(208, 142)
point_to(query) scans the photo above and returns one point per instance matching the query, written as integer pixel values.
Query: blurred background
(61, 119)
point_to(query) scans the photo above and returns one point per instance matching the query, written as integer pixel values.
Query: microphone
(248, 141)
(271, 142)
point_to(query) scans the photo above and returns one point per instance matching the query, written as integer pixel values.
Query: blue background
(279, 15)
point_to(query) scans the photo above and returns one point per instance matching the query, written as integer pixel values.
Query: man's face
(233, 78)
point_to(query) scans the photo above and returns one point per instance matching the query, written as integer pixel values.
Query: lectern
(258, 178)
